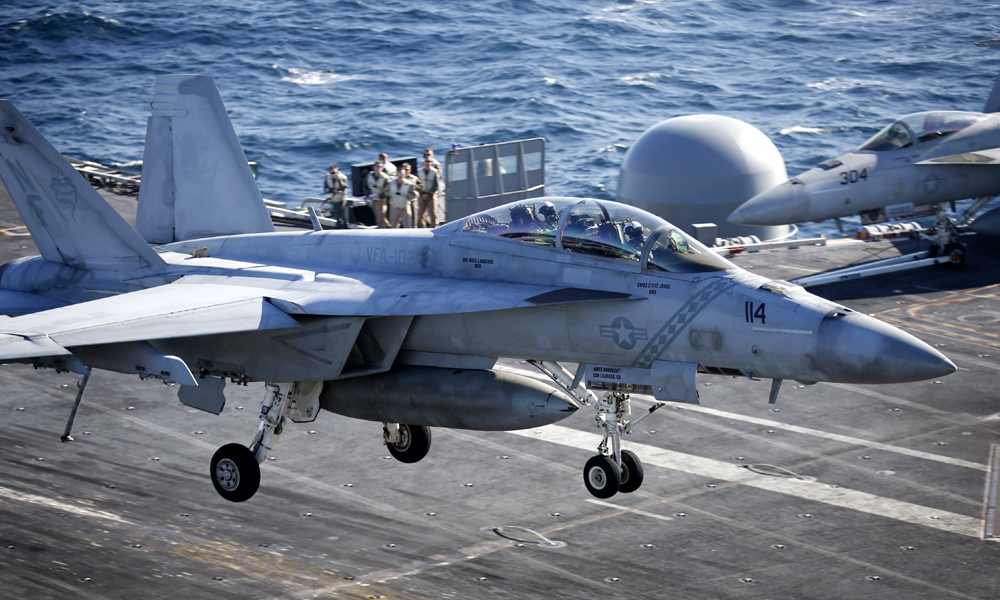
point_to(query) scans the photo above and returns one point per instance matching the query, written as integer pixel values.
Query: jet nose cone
(783, 204)
(859, 349)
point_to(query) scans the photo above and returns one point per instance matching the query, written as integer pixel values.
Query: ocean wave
(316, 77)
(839, 83)
(127, 164)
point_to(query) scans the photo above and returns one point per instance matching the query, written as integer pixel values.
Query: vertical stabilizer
(195, 178)
(993, 101)
(68, 220)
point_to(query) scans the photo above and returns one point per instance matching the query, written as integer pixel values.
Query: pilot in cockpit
(633, 235)
(520, 218)
(549, 216)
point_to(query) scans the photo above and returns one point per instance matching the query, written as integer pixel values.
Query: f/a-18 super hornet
(913, 167)
(403, 327)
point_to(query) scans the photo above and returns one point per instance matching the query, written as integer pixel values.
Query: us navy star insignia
(623, 333)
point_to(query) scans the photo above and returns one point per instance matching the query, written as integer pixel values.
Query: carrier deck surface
(895, 511)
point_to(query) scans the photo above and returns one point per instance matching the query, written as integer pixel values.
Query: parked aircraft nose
(784, 203)
(856, 348)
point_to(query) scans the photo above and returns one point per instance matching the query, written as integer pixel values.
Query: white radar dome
(698, 169)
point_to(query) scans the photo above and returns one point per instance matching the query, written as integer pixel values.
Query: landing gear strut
(612, 470)
(235, 468)
(945, 240)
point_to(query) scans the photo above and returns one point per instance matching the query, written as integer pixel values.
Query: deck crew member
(400, 193)
(430, 180)
(377, 182)
(417, 187)
(429, 155)
(439, 199)
(335, 207)
(387, 167)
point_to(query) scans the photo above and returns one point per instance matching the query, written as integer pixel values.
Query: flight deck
(836, 491)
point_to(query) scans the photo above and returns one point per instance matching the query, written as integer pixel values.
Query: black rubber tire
(631, 477)
(601, 476)
(957, 252)
(415, 445)
(235, 472)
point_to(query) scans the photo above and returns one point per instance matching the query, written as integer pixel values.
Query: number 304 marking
(751, 314)
(853, 176)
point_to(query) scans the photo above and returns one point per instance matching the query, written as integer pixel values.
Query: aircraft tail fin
(195, 178)
(993, 101)
(68, 220)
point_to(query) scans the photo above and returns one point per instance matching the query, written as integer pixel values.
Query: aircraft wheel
(631, 477)
(601, 476)
(954, 250)
(414, 444)
(235, 472)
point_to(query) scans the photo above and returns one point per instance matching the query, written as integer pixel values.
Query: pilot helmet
(519, 214)
(633, 230)
(548, 210)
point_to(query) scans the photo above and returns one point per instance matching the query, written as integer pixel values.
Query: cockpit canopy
(599, 228)
(921, 127)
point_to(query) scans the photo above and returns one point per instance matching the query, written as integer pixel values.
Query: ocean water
(311, 83)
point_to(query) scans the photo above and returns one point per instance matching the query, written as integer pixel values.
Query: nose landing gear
(611, 470)
(614, 470)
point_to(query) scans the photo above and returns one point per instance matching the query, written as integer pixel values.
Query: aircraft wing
(168, 311)
(208, 305)
(387, 294)
(990, 156)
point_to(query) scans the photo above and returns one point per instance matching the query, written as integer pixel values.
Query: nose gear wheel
(601, 476)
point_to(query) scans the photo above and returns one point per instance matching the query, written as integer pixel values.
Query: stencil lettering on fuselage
(679, 321)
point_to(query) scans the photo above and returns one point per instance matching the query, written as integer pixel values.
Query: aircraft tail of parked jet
(195, 179)
(67, 218)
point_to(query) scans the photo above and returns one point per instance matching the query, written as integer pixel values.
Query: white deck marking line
(798, 429)
(63, 506)
(837, 437)
(631, 510)
(815, 491)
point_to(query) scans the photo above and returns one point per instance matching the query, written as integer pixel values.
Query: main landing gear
(406, 443)
(235, 468)
(613, 469)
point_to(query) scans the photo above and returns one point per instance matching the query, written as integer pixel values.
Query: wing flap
(15, 344)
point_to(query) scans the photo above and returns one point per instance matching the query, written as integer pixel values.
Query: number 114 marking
(751, 314)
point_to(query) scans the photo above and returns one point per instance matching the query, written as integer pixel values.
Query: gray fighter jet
(404, 327)
(913, 167)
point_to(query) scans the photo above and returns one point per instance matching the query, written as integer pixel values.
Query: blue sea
(310, 83)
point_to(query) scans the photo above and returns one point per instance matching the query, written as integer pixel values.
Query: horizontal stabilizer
(14, 303)
(990, 156)
(68, 220)
(169, 311)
